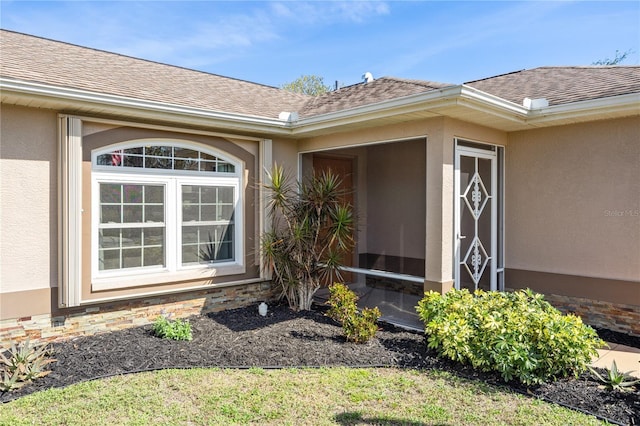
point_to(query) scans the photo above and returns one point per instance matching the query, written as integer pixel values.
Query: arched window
(163, 207)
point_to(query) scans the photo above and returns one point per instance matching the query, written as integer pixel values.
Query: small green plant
(614, 379)
(24, 364)
(358, 327)
(519, 334)
(175, 330)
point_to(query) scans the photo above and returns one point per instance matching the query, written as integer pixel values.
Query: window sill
(159, 278)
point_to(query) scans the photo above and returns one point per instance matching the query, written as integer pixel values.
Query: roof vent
(289, 117)
(367, 77)
(529, 103)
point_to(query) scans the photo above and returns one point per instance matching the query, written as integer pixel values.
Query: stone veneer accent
(131, 313)
(612, 316)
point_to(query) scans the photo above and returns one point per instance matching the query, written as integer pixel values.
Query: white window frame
(172, 180)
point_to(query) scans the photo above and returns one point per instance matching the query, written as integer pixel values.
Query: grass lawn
(329, 396)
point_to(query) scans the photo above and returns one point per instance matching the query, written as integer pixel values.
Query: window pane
(226, 213)
(131, 258)
(153, 236)
(208, 194)
(132, 213)
(189, 234)
(133, 161)
(225, 194)
(190, 213)
(137, 151)
(186, 153)
(190, 254)
(154, 213)
(186, 164)
(159, 151)
(157, 163)
(109, 259)
(208, 212)
(131, 237)
(110, 193)
(132, 194)
(153, 194)
(109, 238)
(153, 256)
(110, 214)
(226, 167)
(208, 166)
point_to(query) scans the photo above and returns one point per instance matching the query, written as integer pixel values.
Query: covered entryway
(388, 183)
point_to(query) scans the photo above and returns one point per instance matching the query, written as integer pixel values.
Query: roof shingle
(561, 85)
(39, 60)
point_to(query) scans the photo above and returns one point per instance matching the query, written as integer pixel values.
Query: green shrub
(175, 330)
(615, 379)
(358, 327)
(24, 364)
(519, 335)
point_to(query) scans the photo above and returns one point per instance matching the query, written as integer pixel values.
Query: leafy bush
(175, 330)
(358, 327)
(24, 364)
(518, 334)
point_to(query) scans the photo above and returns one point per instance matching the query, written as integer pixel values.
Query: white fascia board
(460, 95)
(629, 103)
(132, 105)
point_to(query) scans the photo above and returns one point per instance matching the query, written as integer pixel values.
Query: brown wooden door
(343, 167)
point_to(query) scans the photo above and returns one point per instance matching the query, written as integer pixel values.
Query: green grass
(285, 397)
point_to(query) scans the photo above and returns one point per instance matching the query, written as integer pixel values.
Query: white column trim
(70, 211)
(265, 164)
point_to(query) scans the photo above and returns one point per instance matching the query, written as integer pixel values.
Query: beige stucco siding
(573, 200)
(28, 194)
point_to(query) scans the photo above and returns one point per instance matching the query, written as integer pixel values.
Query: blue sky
(274, 42)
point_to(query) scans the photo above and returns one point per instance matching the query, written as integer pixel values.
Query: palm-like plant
(312, 228)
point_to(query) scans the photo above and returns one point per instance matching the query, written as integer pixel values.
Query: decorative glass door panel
(476, 207)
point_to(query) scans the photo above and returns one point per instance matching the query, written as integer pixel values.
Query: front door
(476, 222)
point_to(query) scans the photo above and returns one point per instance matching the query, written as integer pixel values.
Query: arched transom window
(164, 207)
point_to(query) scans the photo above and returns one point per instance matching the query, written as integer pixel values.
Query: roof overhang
(74, 101)
(458, 102)
(472, 105)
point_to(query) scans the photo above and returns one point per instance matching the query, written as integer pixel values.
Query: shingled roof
(561, 85)
(33, 59)
(40, 60)
(382, 89)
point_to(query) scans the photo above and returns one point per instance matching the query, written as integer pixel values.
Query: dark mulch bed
(241, 338)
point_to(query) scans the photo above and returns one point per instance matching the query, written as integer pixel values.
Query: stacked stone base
(132, 313)
(615, 317)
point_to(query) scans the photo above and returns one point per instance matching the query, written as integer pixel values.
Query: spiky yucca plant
(312, 228)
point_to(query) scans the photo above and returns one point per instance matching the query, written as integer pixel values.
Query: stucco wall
(28, 194)
(573, 200)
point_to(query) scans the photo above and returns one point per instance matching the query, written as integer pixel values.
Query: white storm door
(476, 218)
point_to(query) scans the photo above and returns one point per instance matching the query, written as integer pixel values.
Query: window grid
(165, 158)
(131, 228)
(207, 224)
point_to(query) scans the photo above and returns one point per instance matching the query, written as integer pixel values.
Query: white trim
(172, 180)
(70, 219)
(384, 274)
(453, 96)
(265, 164)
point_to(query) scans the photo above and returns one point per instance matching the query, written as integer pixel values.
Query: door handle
(462, 237)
